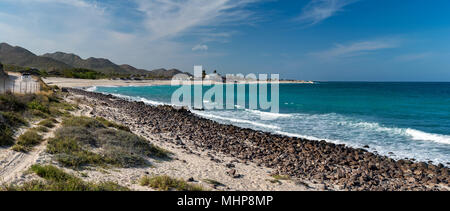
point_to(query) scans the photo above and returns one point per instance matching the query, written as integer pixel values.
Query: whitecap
(258, 124)
(91, 89)
(424, 136)
(271, 115)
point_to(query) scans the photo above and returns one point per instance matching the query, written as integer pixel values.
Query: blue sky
(338, 40)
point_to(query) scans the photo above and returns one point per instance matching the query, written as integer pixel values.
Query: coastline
(78, 83)
(331, 166)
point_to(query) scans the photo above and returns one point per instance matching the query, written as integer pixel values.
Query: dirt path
(13, 164)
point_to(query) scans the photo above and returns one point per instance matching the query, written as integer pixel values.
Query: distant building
(18, 84)
(26, 77)
(214, 77)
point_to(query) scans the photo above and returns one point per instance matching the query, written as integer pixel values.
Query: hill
(106, 66)
(15, 56)
(98, 64)
(18, 56)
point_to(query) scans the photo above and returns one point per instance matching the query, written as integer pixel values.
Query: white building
(213, 77)
(25, 77)
(18, 83)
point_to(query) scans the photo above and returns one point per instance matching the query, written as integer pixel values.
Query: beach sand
(72, 82)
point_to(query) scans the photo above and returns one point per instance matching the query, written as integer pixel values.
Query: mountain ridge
(15, 55)
(19, 56)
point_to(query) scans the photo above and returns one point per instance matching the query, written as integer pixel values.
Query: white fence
(19, 86)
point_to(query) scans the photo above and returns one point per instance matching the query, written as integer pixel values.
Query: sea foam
(258, 124)
(420, 135)
(263, 114)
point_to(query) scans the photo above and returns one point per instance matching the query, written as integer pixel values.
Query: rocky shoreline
(331, 165)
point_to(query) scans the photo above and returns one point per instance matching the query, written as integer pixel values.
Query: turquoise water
(402, 120)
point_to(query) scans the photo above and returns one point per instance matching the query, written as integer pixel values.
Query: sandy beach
(72, 83)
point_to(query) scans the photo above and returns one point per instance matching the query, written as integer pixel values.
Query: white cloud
(318, 10)
(170, 18)
(357, 48)
(74, 3)
(200, 48)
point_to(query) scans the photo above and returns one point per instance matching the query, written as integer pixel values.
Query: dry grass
(27, 141)
(83, 141)
(58, 180)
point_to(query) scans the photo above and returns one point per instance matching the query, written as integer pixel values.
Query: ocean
(399, 120)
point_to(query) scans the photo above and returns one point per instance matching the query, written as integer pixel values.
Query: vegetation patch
(9, 102)
(71, 153)
(13, 119)
(83, 141)
(27, 141)
(274, 181)
(166, 183)
(41, 129)
(49, 123)
(6, 135)
(83, 74)
(10, 118)
(113, 124)
(129, 142)
(281, 177)
(17, 110)
(37, 105)
(213, 182)
(9, 122)
(64, 106)
(84, 122)
(58, 180)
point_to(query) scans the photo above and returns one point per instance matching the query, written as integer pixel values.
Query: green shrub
(75, 141)
(36, 114)
(9, 122)
(166, 183)
(71, 154)
(58, 180)
(36, 105)
(129, 142)
(26, 141)
(51, 173)
(124, 159)
(9, 102)
(13, 119)
(280, 177)
(78, 134)
(84, 122)
(6, 136)
(82, 74)
(113, 124)
(49, 123)
(63, 105)
(41, 129)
